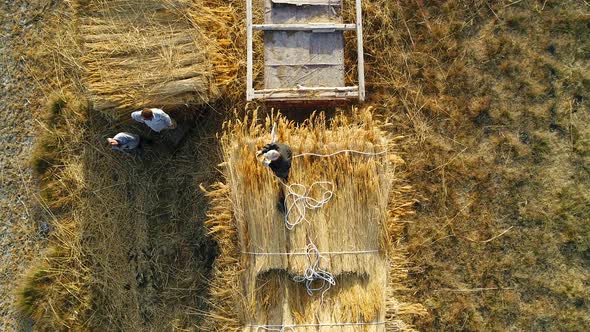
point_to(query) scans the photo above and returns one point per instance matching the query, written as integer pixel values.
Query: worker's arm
(137, 116)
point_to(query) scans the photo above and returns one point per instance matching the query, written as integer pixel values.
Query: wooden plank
(315, 27)
(320, 55)
(309, 2)
(327, 47)
(307, 104)
(290, 77)
(303, 47)
(308, 95)
(286, 14)
(360, 49)
(249, 66)
(286, 47)
(305, 89)
(303, 64)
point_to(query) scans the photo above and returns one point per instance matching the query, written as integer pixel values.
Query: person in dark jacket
(278, 158)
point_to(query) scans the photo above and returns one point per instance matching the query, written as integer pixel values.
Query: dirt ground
(21, 232)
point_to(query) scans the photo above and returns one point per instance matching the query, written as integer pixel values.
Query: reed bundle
(255, 275)
(163, 53)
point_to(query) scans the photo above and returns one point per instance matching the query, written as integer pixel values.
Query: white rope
(298, 200)
(358, 252)
(292, 327)
(314, 273)
(273, 134)
(301, 195)
(339, 152)
(302, 200)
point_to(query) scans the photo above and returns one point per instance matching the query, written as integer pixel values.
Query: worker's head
(147, 114)
(272, 155)
(112, 141)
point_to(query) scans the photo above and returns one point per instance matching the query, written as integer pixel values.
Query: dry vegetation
(166, 53)
(126, 251)
(493, 98)
(24, 223)
(259, 290)
(492, 101)
(56, 290)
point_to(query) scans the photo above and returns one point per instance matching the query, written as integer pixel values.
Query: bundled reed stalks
(255, 270)
(164, 53)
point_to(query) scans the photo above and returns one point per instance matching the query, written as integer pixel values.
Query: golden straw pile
(162, 53)
(251, 290)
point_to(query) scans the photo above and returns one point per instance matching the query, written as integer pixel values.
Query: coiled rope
(314, 273)
(301, 196)
(302, 200)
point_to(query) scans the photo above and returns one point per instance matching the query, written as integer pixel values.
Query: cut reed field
(126, 249)
(154, 53)
(253, 285)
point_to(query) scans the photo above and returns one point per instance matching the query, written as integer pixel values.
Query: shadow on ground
(146, 245)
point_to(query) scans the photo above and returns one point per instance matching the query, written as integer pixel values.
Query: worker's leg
(281, 204)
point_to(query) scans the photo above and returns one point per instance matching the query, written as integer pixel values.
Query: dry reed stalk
(163, 53)
(355, 219)
(228, 307)
(277, 300)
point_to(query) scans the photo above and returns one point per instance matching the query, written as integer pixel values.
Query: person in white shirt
(154, 118)
(125, 142)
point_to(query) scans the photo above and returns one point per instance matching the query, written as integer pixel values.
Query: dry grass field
(126, 250)
(491, 99)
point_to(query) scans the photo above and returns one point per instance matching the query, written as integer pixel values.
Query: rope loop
(313, 272)
(302, 199)
(285, 328)
(370, 154)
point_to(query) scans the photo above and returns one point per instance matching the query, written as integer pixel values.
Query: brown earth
(22, 221)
